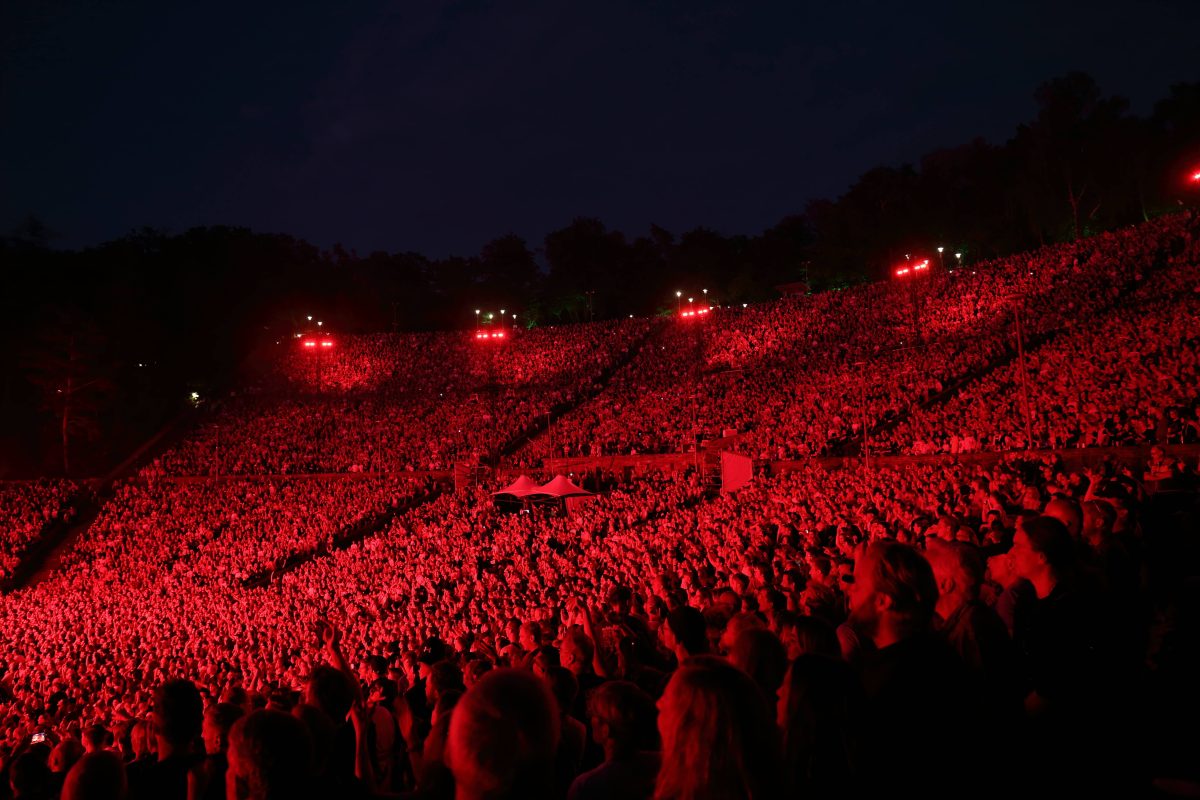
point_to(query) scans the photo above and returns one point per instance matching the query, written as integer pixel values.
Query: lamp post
(678, 301)
(941, 259)
(958, 256)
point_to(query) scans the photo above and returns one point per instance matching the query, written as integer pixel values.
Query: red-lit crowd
(392, 403)
(1128, 377)
(231, 530)
(803, 377)
(655, 643)
(28, 509)
(870, 367)
(227, 628)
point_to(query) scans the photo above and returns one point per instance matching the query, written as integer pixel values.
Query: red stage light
(327, 344)
(310, 344)
(1196, 177)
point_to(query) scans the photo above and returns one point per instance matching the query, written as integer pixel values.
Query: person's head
(802, 634)
(686, 629)
(372, 668)
(270, 756)
(718, 736)
(95, 738)
(894, 592)
(180, 712)
(433, 650)
(444, 676)
(330, 690)
(759, 653)
(476, 669)
(64, 755)
(959, 570)
(139, 739)
(543, 659)
(577, 651)
(1042, 551)
(1099, 518)
(96, 776)
(29, 776)
(738, 624)
(1066, 510)
(382, 691)
(531, 636)
(503, 736)
(218, 720)
(623, 718)
(619, 598)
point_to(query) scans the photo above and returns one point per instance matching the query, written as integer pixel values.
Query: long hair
(819, 710)
(718, 735)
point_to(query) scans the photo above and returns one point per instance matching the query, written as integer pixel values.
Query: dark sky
(438, 126)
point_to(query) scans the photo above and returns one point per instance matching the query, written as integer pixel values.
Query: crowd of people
(401, 402)
(230, 530)
(28, 509)
(1129, 377)
(825, 374)
(933, 598)
(229, 627)
(804, 377)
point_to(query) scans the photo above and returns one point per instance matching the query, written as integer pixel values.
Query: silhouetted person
(718, 740)
(622, 718)
(820, 707)
(917, 705)
(1073, 699)
(503, 737)
(759, 653)
(686, 633)
(97, 776)
(178, 716)
(270, 758)
(210, 775)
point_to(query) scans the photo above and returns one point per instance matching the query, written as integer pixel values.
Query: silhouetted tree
(65, 364)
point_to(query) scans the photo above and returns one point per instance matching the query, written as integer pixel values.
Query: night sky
(438, 126)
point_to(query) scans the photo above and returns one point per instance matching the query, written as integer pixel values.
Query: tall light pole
(678, 301)
(959, 257)
(941, 260)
